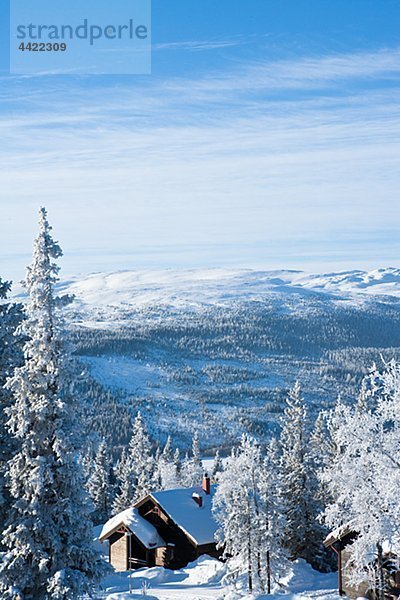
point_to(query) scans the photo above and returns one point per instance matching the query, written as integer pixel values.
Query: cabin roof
(146, 533)
(338, 534)
(197, 522)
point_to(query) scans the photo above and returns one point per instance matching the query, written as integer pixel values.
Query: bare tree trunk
(268, 572)
(249, 564)
(249, 569)
(380, 588)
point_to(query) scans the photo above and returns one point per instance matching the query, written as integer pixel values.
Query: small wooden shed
(337, 541)
(340, 541)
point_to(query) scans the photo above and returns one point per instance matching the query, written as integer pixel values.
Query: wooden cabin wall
(118, 551)
(353, 591)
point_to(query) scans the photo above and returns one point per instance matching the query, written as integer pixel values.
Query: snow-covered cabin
(339, 541)
(133, 541)
(169, 528)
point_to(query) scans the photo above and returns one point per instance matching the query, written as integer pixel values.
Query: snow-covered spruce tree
(192, 468)
(274, 554)
(100, 484)
(320, 441)
(185, 469)
(178, 466)
(10, 357)
(324, 452)
(120, 466)
(136, 469)
(304, 533)
(125, 496)
(249, 519)
(157, 478)
(364, 479)
(49, 534)
(218, 466)
(167, 453)
(321, 454)
(89, 454)
(168, 472)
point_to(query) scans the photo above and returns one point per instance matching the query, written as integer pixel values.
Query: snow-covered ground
(202, 580)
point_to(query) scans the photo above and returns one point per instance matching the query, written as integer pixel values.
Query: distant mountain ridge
(138, 289)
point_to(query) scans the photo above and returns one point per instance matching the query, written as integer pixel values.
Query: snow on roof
(141, 528)
(197, 522)
(338, 533)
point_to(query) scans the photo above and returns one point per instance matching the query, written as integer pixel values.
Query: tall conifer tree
(10, 358)
(136, 470)
(304, 533)
(251, 522)
(49, 534)
(100, 485)
(192, 468)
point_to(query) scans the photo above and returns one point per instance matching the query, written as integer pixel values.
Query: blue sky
(267, 136)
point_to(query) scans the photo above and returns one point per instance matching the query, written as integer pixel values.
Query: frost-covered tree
(178, 466)
(157, 475)
(119, 468)
(218, 466)
(49, 534)
(320, 440)
(136, 469)
(192, 468)
(88, 456)
(364, 479)
(126, 494)
(274, 554)
(167, 453)
(10, 358)
(185, 468)
(249, 518)
(169, 476)
(321, 454)
(100, 484)
(304, 533)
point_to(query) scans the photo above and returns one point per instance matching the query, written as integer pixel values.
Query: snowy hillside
(225, 346)
(219, 286)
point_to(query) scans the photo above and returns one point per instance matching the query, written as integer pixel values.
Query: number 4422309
(42, 47)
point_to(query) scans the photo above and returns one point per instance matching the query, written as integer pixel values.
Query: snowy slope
(219, 286)
(227, 344)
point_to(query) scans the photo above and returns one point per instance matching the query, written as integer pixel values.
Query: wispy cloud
(307, 74)
(199, 45)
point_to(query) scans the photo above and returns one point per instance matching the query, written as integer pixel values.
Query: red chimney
(206, 484)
